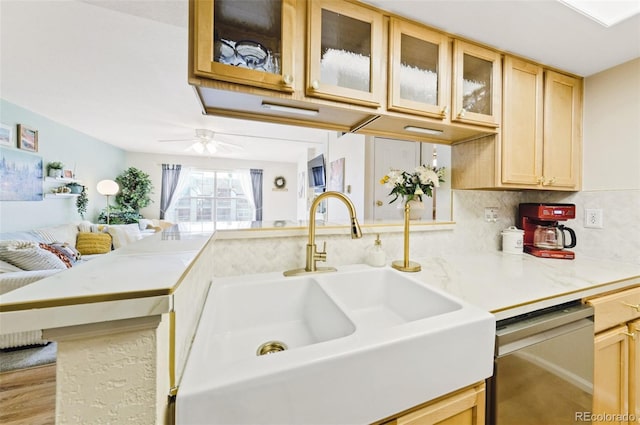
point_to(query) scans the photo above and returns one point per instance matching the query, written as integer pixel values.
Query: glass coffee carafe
(553, 237)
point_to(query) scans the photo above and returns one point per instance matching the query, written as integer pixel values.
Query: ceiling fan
(205, 143)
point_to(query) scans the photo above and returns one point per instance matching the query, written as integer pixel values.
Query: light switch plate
(593, 218)
(491, 214)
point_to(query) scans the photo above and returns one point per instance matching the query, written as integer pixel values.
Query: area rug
(21, 358)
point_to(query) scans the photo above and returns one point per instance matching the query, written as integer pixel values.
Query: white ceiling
(117, 69)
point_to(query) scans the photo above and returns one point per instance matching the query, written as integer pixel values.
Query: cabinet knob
(461, 113)
(445, 110)
(379, 203)
(540, 180)
(315, 84)
(288, 79)
(549, 182)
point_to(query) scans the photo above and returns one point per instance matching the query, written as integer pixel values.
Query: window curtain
(256, 183)
(170, 178)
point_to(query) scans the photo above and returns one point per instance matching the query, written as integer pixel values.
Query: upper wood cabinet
(477, 85)
(419, 70)
(539, 146)
(245, 41)
(522, 124)
(344, 52)
(562, 152)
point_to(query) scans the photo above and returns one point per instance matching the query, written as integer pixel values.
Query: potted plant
(135, 188)
(75, 187)
(54, 169)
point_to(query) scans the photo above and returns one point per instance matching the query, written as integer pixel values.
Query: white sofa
(39, 241)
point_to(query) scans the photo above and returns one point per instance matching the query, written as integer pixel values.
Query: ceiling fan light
(211, 148)
(198, 147)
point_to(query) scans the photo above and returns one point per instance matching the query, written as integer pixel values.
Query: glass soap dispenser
(375, 254)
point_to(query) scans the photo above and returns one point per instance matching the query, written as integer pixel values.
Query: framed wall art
(336, 175)
(6, 135)
(27, 138)
(21, 176)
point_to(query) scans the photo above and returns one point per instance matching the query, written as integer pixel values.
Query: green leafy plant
(82, 201)
(135, 188)
(118, 215)
(55, 165)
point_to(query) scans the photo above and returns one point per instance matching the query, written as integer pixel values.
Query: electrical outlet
(491, 214)
(593, 218)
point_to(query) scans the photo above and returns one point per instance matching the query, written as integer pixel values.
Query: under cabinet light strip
(423, 130)
(290, 109)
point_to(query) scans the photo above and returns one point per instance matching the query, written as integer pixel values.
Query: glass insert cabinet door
(245, 41)
(419, 70)
(345, 50)
(477, 85)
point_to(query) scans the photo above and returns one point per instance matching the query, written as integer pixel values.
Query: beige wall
(612, 128)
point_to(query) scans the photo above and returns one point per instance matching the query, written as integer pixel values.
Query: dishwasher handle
(504, 348)
(538, 327)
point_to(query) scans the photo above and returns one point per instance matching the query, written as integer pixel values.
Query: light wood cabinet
(617, 355)
(463, 407)
(419, 70)
(522, 123)
(477, 85)
(344, 52)
(562, 152)
(539, 146)
(611, 372)
(245, 42)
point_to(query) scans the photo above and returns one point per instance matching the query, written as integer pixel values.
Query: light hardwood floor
(28, 396)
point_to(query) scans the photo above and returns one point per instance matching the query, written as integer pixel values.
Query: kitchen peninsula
(124, 322)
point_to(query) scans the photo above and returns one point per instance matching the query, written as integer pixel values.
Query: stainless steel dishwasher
(543, 372)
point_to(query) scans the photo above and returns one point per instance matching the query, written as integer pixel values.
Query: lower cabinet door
(611, 374)
(465, 407)
(634, 370)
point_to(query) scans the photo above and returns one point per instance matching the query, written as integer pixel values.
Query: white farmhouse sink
(380, 298)
(363, 344)
(249, 314)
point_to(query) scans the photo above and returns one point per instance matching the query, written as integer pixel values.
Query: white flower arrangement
(413, 185)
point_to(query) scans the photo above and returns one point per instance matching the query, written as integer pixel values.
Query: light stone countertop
(508, 285)
(134, 281)
(139, 278)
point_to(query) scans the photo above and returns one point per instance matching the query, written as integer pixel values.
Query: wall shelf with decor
(61, 195)
(60, 187)
(61, 180)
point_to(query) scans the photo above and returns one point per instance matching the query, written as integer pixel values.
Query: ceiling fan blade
(230, 146)
(177, 140)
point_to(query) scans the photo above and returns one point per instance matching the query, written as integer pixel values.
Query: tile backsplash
(618, 240)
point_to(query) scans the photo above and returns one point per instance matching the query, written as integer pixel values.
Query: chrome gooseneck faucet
(313, 255)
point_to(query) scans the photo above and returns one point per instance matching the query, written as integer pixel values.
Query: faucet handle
(322, 255)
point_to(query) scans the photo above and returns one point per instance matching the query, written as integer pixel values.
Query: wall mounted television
(317, 171)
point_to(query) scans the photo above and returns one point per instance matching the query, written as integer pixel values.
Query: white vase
(54, 172)
(416, 209)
